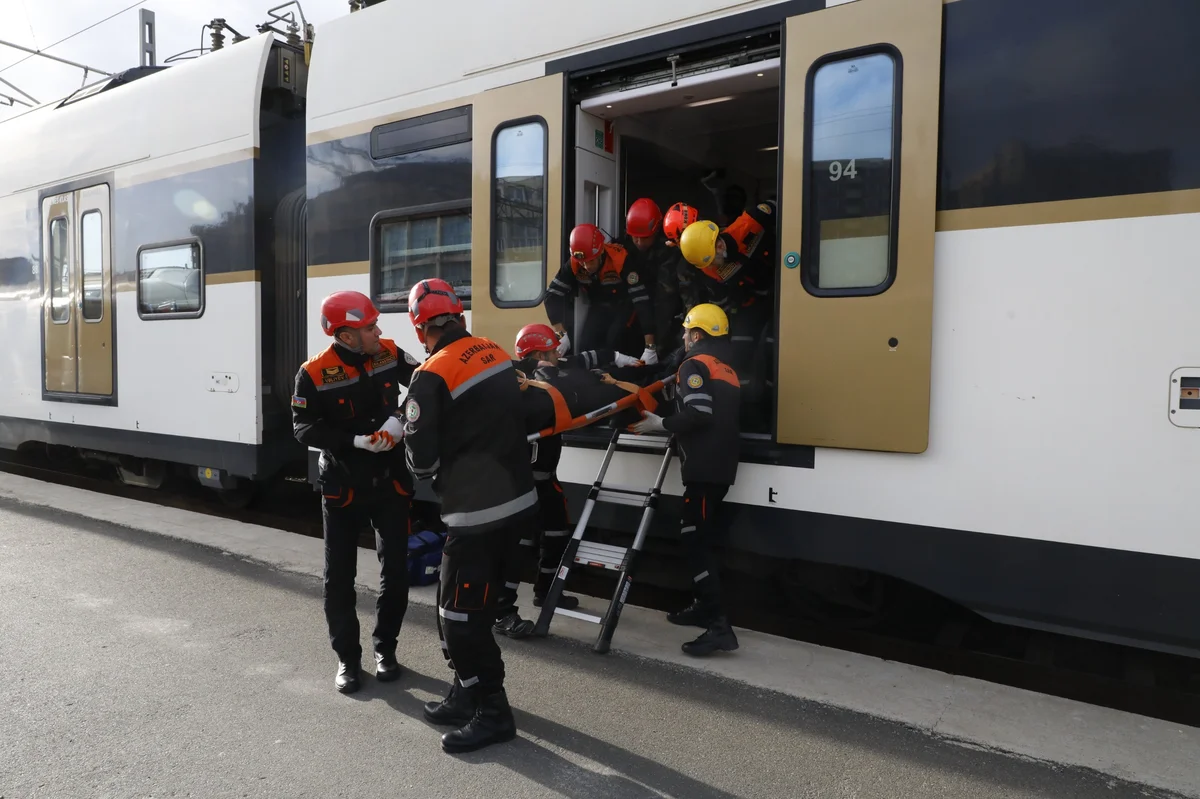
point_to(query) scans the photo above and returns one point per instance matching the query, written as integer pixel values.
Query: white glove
(374, 442)
(564, 343)
(626, 360)
(650, 356)
(651, 423)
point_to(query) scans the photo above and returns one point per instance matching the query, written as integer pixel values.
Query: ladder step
(619, 497)
(575, 614)
(643, 443)
(591, 553)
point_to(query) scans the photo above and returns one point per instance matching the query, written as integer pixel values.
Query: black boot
(386, 667)
(565, 601)
(719, 636)
(456, 709)
(697, 614)
(347, 676)
(512, 625)
(492, 723)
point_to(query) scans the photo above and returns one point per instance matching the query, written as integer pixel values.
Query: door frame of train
(74, 187)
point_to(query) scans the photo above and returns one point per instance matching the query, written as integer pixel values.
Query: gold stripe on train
(1089, 209)
(339, 270)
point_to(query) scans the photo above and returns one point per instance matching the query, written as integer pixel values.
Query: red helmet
(535, 338)
(678, 217)
(586, 242)
(643, 218)
(429, 299)
(347, 309)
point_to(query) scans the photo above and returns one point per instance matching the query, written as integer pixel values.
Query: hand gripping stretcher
(590, 553)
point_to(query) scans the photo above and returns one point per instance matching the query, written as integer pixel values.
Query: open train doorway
(700, 129)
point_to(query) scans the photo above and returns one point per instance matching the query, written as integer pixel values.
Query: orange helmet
(429, 299)
(678, 217)
(347, 309)
(586, 242)
(535, 338)
(643, 218)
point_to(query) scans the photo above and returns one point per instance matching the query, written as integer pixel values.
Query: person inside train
(657, 264)
(730, 198)
(342, 397)
(675, 221)
(620, 306)
(555, 389)
(705, 425)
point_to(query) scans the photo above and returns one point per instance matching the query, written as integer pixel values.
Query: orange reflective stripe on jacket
(746, 232)
(466, 362)
(328, 371)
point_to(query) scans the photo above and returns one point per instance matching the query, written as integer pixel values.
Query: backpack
(425, 557)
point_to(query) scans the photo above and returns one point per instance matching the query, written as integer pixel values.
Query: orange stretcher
(639, 397)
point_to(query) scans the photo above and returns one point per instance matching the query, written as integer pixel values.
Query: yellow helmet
(699, 243)
(709, 318)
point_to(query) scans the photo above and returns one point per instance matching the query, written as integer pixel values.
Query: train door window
(420, 244)
(92, 267)
(170, 281)
(850, 175)
(60, 272)
(519, 213)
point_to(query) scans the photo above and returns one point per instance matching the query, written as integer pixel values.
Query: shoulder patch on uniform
(412, 411)
(632, 279)
(299, 402)
(766, 209)
(410, 360)
(695, 381)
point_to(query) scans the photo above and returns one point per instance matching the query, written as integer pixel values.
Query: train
(978, 378)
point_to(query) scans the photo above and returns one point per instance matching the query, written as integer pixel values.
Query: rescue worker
(705, 426)
(458, 430)
(554, 384)
(736, 274)
(619, 300)
(675, 221)
(342, 396)
(657, 264)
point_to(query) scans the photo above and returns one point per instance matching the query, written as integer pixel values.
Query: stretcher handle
(610, 409)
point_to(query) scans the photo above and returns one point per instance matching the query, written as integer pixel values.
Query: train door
(595, 187)
(858, 192)
(78, 307)
(516, 208)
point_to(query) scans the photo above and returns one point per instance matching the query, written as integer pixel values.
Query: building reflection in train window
(60, 272)
(93, 266)
(850, 183)
(519, 215)
(418, 247)
(170, 281)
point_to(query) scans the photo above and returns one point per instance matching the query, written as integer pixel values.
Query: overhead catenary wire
(43, 50)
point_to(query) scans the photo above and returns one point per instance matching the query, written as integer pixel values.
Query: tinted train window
(850, 187)
(422, 133)
(519, 214)
(1048, 100)
(413, 247)
(93, 267)
(60, 272)
(170, 281)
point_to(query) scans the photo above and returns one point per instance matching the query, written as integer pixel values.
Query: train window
(851, 181)
(422, 133)
(93, 267)
(170, 281)
(60, 272)
(519, 213)
(415, 244)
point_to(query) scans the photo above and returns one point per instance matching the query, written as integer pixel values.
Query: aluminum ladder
(610, 558)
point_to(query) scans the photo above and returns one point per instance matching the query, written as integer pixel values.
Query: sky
(113, 45)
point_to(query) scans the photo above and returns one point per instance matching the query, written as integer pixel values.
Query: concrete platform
(197, 655)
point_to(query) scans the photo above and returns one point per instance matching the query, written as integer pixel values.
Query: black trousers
(700, 529)
(345, 513)
(474, 571)
(550, 534)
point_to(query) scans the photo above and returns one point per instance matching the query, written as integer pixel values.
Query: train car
(979, 377)
(152, 267)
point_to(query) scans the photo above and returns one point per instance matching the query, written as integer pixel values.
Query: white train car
(987, 380)
(151, 266)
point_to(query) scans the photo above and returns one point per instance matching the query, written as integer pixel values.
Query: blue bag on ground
(425, 557)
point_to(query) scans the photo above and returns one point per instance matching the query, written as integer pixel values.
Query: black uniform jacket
(459, 429)
(341, 394)
(705, 421)
(617, 284)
